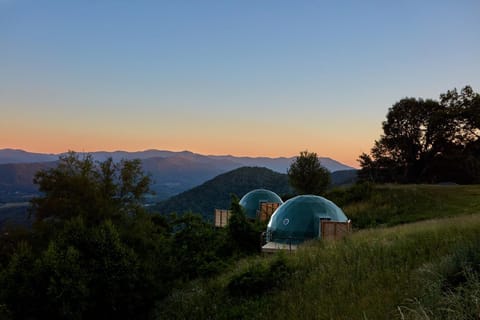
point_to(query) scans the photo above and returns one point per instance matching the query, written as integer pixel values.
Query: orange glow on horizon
(47, 139)
(344, 156)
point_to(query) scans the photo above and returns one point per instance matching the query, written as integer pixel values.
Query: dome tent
(252, 201)
(299, 219)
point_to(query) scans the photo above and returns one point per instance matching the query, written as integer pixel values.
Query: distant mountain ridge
(172, 172)
(279, 164)
(8, 156)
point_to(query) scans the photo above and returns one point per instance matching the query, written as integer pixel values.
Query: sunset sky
(256, 78)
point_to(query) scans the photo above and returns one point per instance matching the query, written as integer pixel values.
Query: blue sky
(266, 78)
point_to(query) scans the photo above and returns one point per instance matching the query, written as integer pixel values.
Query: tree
(244, 235)
(94, 191)
(411, 131)
(428, 141)
(307, 176)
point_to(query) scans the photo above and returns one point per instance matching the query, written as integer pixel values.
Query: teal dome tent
(251, 201)
(299, 218)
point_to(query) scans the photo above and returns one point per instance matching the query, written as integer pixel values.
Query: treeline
(94, 252)
(428, 141)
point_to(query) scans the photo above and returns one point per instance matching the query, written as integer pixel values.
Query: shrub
(260, 278)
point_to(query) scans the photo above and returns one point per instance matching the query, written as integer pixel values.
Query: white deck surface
(275, 246)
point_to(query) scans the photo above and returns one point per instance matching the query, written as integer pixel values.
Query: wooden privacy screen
(333, 230)
(266, 210)
(221, 217)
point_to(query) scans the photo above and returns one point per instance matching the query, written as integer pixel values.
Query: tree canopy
(94, 191)
(306, 174)
(428, 141)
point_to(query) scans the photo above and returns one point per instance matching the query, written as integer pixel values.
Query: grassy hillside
(388, 205)
(422, 270)
(417, 271)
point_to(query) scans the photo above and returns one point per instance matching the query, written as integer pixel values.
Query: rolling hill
(216, 193)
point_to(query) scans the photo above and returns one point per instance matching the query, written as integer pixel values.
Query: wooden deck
(271, 247)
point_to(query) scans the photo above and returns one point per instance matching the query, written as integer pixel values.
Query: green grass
(390, 205)
(423, 270)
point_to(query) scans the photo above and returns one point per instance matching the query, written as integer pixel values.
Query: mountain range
(171, 172)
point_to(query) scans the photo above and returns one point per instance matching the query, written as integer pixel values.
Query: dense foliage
(307, 176)
(94, 251)
(428, 141)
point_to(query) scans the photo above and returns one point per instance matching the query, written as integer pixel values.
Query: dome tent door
(335, 230)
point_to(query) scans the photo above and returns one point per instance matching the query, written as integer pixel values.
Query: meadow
(392, 270)
(370, 205)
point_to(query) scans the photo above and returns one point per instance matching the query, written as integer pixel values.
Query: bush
(244, 235)
(260, 278)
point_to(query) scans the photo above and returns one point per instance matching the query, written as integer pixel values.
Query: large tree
(428, 141)
(94, 191)
(307, 175)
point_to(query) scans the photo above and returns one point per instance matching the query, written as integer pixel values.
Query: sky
(247, 78)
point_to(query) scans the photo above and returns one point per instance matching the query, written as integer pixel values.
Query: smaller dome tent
(252, 200)
(299, 218)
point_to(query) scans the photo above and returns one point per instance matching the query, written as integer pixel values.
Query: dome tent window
(260, 204)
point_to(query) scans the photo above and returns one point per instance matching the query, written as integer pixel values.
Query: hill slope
(412, 271)
(216, 193)
(388, 205)
(16, 180)
(405, 272)
(172, 175)
(343, 177)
